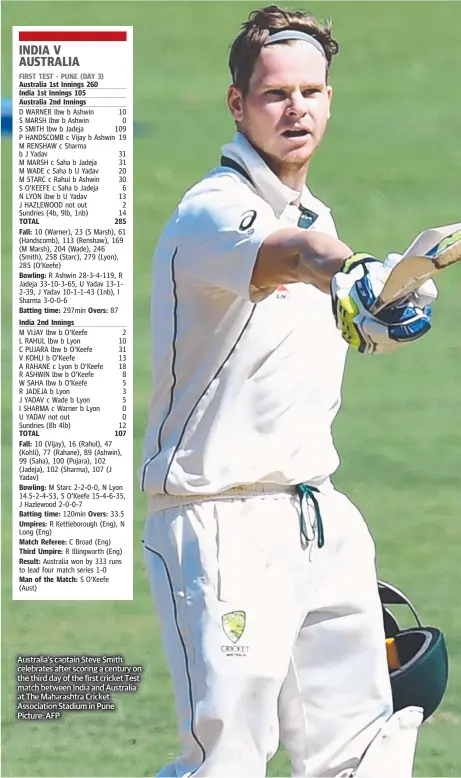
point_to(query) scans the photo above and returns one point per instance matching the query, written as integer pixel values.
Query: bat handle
(390, 262)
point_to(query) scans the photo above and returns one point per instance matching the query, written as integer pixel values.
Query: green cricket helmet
(417, 657)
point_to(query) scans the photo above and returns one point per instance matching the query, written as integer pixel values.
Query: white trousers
(268, 640)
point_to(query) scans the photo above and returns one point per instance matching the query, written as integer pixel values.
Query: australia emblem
(233, 624)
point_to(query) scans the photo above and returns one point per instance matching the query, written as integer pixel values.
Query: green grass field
(390, 166)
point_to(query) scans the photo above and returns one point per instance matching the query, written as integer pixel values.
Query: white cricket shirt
(246, 387)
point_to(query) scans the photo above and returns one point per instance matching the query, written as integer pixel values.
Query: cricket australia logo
(233, 624)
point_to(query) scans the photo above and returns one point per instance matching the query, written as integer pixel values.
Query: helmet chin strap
(392, 752)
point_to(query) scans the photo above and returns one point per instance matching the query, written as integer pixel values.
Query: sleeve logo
(247, 221)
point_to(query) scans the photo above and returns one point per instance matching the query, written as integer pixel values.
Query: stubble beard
(283, 166)
(294, 164)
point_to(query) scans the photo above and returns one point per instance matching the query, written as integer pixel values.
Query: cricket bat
(432, 251)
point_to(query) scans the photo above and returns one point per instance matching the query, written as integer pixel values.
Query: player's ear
(235, 103)
(330, 97)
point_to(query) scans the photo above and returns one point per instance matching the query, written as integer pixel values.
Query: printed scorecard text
(72, 313)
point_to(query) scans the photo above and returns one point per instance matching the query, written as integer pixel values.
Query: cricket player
(263, 574)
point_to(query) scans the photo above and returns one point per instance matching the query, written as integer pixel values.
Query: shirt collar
(265, 182)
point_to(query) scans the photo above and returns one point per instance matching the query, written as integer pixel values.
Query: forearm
(293, 254)
(319, 257)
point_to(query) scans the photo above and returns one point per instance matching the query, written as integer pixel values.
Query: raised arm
(235, 242)
(293, 254)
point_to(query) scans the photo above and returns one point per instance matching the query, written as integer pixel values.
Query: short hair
(260, 24)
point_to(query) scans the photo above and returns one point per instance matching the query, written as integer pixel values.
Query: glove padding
(354, 290)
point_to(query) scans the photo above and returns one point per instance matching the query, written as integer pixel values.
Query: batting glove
(354, 290)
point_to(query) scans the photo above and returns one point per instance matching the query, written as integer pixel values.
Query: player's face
(285, 112)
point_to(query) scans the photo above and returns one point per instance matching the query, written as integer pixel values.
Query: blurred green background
(390, 167)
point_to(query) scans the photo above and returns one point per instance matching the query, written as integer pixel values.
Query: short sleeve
(220, 235)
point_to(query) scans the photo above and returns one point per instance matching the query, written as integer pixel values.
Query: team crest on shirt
(233, 624)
